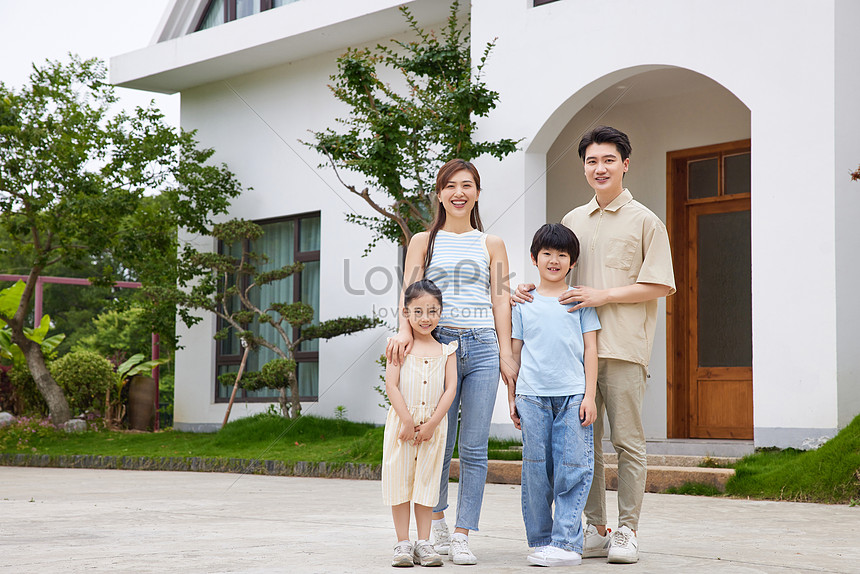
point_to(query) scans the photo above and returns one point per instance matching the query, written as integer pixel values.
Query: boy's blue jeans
(477, 384)
(558, 466)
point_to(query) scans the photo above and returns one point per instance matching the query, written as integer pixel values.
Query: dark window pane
(247, 8)
(737, 174)
(224, 391)
(725, 290)
(214, 16)
(311, 296)
(309, 234)
(309, 374)
(702, 178)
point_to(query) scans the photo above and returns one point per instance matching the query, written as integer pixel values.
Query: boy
(628, 267)
(553, 404)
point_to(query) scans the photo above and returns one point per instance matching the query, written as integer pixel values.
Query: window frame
(229, 11)
(222, 360)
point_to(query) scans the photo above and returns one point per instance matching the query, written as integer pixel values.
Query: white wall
(255, 123)
(552, 60)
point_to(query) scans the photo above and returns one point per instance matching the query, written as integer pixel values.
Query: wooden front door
(710, 317)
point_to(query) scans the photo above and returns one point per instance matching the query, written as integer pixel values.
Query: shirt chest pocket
(620, 253)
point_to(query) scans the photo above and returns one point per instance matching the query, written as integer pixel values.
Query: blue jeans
(558, 466)
(477, 384)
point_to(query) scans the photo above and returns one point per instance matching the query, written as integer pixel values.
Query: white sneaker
(441, 538)
(596, 546)
(554, 556)
(624, 548)
(402, 555)
(459, 551)
(425, 555)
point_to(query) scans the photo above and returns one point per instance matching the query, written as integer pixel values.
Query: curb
(198, 464)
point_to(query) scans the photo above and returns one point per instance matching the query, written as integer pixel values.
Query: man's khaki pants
(620, 391)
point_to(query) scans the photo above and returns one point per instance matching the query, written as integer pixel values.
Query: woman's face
(459, 195)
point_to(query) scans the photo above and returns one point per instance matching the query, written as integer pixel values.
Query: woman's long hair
(442, 179)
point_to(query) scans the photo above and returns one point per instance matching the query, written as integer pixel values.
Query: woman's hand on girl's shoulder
(398, 347)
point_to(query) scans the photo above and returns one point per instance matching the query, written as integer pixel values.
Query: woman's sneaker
(459, 551)
(596, 546)
(425, 555)
(441, 538)
(402, 555)
(624, 548)
(554, 556)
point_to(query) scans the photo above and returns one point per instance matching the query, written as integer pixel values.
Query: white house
(744, 118)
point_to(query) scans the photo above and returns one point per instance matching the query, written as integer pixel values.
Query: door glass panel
(702, 178)
(737, 173)
(724, 290)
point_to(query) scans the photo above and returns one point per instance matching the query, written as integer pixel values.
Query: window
(284, 241)
(221, 11)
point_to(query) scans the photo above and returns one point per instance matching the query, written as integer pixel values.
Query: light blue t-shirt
(552, 356)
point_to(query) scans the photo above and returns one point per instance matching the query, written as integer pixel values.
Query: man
(625, 266)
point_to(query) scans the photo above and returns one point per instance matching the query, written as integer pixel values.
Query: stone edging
(198, 464)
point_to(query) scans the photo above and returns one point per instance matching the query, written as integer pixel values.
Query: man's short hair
(556, 236)
(605, 134)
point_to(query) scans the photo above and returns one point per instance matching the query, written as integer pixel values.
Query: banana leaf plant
(114, 409)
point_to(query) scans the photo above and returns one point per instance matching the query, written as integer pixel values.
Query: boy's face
(553, 264)
(604, 169)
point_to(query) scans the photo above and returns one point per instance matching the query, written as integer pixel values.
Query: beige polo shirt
(623, 244)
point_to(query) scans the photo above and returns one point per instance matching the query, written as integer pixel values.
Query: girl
(421, 390)
(471, 269)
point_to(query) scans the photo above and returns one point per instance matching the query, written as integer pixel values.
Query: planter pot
(141, 403)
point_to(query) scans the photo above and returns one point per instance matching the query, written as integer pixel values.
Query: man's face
(604, 169)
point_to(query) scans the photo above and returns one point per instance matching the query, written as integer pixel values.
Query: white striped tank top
(460, 267)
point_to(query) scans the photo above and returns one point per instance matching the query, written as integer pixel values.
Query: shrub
(84, 378)
(31, 400)
(18, 434)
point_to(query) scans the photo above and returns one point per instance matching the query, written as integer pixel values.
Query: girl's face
(459, 195)
(423, 313)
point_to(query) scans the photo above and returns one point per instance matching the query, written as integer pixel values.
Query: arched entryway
(678, 117)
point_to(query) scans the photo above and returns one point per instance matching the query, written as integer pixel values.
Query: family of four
(569, 350)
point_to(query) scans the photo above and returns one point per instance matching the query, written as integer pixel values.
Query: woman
(471, 269)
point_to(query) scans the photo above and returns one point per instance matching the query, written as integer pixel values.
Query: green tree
(79, 182)
(397, 140)
(228, 287)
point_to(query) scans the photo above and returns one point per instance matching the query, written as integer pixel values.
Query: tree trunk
(58, 406)
(294, 396)
(236, 385)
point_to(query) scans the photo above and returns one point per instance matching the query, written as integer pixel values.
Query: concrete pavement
(80, 520)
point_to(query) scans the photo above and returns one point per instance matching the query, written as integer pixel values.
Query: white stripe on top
(460, 267)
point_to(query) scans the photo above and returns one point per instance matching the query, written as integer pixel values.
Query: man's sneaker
(459, 551)
(402, 554)
(425, 555)
(554, 556)
(596, 546)
(624, 548)
(441, 538)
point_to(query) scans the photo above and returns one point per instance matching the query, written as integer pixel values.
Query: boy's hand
(512, 404)
(522, 295)
(407, 430)
(425, 432)
(587, 411)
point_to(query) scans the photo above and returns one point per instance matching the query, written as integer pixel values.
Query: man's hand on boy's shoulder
(522, 295)
(582, 296)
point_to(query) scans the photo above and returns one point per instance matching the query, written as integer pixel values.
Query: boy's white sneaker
(624, 548)
(402, 555)
(441, 537)
(459, 552)
(554, 556)
(596, 546)
(425, 555)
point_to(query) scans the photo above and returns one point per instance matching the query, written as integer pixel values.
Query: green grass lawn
(828, 474)
(264, 437)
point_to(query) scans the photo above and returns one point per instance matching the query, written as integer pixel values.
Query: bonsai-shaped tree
(396, 139)
(226, 286)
